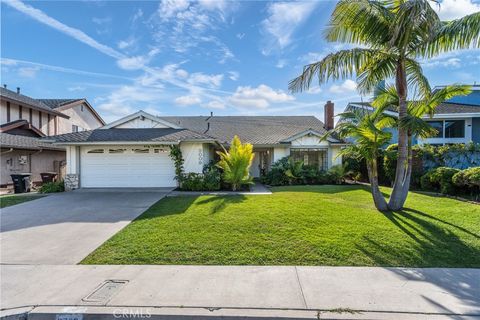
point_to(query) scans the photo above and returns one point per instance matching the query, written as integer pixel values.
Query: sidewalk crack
(301, 288)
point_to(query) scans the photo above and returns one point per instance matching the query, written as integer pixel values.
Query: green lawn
(10, 200)
(303, 225)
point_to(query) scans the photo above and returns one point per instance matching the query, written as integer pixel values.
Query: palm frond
(339, 65)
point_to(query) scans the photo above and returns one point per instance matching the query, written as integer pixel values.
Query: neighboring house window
(311, 157)
(39, 120)
(455, 129)
(20, 112)
(81, 108)
(74, 128)
(449, 128)
(30, 111)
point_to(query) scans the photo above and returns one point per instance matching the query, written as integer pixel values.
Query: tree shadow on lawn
(179, 204)
(434, 246)
(325, 188)
(220, 202)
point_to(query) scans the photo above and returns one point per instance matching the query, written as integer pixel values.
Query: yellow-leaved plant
(236, 163)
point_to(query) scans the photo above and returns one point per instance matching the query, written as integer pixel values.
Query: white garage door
(121, 166)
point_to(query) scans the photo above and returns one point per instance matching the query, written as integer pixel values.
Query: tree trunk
(377, 195)
(399, 193)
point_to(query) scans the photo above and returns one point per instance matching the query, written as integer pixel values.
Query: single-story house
(134, 151)
(457, 120)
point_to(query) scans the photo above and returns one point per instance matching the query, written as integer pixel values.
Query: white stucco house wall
(135, 151)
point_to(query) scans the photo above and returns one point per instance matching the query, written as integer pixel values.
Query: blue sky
(187, 58)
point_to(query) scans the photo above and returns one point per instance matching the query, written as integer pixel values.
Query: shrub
(52, 187)
(236, 163)
(212, 177)
(192, 181)
(469, 179)
(440, 179)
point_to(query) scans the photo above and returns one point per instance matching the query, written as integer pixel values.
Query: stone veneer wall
(71, 182)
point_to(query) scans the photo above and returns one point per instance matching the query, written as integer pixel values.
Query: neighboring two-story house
(457, 120)
(23, 120)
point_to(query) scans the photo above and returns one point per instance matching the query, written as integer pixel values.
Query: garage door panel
(126, 169)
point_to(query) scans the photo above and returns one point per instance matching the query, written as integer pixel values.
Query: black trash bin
(48, 176)
(21, 182)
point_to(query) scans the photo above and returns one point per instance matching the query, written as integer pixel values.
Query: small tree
(236, 163)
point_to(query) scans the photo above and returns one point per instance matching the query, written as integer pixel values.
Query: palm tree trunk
(399, 193)
(406, 185)
(377, 195)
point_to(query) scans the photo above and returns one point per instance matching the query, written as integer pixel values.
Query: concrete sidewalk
(443, 292)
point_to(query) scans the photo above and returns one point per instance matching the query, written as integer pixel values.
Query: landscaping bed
(299, 225)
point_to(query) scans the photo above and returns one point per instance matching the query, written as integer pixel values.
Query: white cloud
(28, 72)
(215, 104)
(346, 86)
(283, 20)
(136, 62)
(260, 97)
(72, 32)
(127, 43)
(76, 88)
(137, 15)
(455, 9)
(210, 80)
(281, 63)
(132, 63)
(312, 57)
(188, 100)
(240, 35)
(169, 8)
(233, 75)
(314, 90)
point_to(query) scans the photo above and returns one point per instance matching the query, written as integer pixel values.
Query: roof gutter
(113, 143)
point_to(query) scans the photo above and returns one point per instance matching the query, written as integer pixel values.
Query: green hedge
(209, 180)
(453, 181)
(286, 171)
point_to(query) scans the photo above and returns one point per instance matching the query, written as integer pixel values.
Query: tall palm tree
(392, 35)
(368, 131)
(413, 122)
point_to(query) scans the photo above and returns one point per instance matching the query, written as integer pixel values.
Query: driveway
(64, 228)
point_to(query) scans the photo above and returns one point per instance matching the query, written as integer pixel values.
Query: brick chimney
(328, 115)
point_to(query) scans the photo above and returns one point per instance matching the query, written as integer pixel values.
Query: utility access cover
(104, 292)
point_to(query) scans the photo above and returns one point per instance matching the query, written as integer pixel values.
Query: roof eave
(23, 103)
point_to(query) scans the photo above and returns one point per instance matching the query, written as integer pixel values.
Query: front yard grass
(10, 200)
(299, 225)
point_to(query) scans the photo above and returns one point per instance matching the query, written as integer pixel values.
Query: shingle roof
(443, 108)
(22, 99)
(23, 142)
(130, 135)
(55, 103)
(259, 130)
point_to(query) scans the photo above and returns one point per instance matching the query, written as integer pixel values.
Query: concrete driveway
(64, 228)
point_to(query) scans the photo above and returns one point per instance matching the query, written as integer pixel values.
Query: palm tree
(392, 36)
(368, 131)
(413, 122)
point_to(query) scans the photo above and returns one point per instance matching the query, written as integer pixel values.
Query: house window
(454, 128)
(81, 108)
(437, 125)
(449, 128)
(8, 111)
(116, 150)
(141, 150)
(20, 113)
(311, 157)
(74, 128)
(95, 151)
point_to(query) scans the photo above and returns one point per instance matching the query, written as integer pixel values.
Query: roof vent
(5, 85)
(18, 90)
